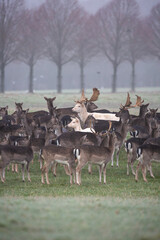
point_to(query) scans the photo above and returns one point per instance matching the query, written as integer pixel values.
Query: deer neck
(112, 144)
(78, 128)
(148, 124)
(27, 126)
(124, 130)
(83, 114)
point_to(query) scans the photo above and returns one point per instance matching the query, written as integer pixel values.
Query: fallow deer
(76, 125)
(131, 146)
(57, 154)
(99, 155)
(145, 155)
(15, 154)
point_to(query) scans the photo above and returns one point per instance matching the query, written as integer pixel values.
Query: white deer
(80, 108)
(76, 125)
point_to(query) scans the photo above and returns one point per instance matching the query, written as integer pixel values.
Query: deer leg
(144, 172)
(23, 173)
(137, 169)
(42, 174)
(71, 173)
(41, 160)
(13, 167)
(117, 154)
(74, 175)
(46, 173)
(16, 168)
(28, 174)
(150, 170)
(128, 162)
(89, 169)
(133, 172)
(1, 170)
(54, 168)
(112, 160)
(73, 169)
(66, 168)
(104, 172)
(3, 173)
(100, 173)
(78, 171)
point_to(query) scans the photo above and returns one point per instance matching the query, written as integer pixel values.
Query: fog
(98, 73)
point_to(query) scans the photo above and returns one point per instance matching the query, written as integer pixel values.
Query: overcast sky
(93, 5)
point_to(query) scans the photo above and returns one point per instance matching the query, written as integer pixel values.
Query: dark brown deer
(3, 111)
(121, 131)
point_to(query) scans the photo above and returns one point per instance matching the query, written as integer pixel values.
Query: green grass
(120, 210)
(93, 218)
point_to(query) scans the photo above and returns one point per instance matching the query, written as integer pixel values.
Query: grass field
(121, 209)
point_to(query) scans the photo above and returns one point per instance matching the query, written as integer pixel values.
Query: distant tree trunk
(81, 75)
(59, 78)
(114, 80)
(31, 67)
(133, 77)
(2, 78)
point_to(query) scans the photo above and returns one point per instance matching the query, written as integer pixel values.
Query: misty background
(98, 72)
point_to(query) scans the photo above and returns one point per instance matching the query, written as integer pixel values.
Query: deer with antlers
(128, 103)
(83, 114)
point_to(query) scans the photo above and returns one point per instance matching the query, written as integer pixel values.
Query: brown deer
(15, 154)
(131, 146)
(145, 155)
(121, 130)
(56, 154)
(99, 155)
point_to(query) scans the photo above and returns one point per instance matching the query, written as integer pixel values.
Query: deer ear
(53, 98)
(45, 98)
(6, 107)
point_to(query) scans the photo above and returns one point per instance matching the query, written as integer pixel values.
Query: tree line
(62, 31)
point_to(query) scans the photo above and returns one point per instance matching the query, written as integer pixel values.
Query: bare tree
(85, 46)
(153, 22)
(112, 22)
(136, 49)
(60, 20)
(10, 12)
(31, 45)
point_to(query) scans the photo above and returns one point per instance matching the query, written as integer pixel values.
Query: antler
(83, 98)
(93, 98)
(95, 95)
(127, 104)
(138, 102)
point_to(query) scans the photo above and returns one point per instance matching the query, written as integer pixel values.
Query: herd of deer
(78, 136)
